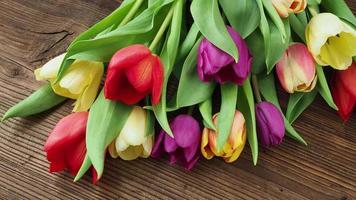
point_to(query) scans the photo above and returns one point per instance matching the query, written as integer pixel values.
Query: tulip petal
(112, 150)
(75, 157)
(117, 87)
(170, 144)
(348, 79)
(343, 99)
(128, 57)
(147, 147)
(131, 153)
(133, 132)
(205, 147)
(190, 152)
(158, 147)
(140, 75)
(186, 131)
(158, 78)
(49, 70)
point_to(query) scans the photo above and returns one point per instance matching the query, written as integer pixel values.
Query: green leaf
(140, 30)
(207, 17)
(264, 27)
(277, 47)
(84, 168)
(227, 112)
(185, 48)
(269, 92)
(205, 109)
(191, 90)
(246, 105)
(41, 100)
(314, 2)
(106, 119)
(323, 87)
(243, 15)
(297, 104)
(108, 23)
(255, 43)
(168, 57)
(341, 9)
(297, 26)
(276, 19)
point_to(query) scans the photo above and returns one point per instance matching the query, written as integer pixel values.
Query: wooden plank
(32, 32)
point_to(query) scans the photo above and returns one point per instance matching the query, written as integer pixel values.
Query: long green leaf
(169, 55)
(323, 88)
(84, 168)
(255, 43)
(138, 31)
(246, 105)
(227, 111)
(41, 100)
(341, 9)
(264, 27)
(191, 90)
(243, 15)
(106, 119)
(205, 109)
(278, 22)
(297, 103)
(278, 46)
(268, 91)
(207, 17)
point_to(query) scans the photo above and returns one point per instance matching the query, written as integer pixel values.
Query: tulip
(65, 146)
(80, 81)
(133, 140)
(184, 147)
(285, 7)
(296, 69)
(214, 63)
(270, 124)
(331, 41)
(233, 146)
(344, 91)
(133, 73)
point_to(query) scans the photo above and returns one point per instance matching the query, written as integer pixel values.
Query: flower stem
(161, 30)
(132, 12)
(256, 89)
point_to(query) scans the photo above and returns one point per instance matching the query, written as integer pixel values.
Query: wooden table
(32, 32)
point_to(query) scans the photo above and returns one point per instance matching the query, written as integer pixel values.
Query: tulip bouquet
(177, 62)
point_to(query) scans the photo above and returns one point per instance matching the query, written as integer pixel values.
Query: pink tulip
(296, 69)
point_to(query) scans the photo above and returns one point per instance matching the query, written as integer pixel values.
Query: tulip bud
(344, 91)
(270, 124)
(80, 81)
(285, 7)
(296, 69)
(233, 146)
(331, 41)
(133, 73)
(65, 146)
(184, 147)
(214, 63)
(133, 140)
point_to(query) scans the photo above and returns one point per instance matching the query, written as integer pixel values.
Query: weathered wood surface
(32, 32)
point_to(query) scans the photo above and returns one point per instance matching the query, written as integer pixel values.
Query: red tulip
(133, 73)
(65, 146)
(344, 91)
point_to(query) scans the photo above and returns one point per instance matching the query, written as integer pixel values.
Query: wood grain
(32, 32)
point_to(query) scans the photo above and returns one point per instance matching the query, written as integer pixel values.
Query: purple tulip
(184, 147)
(214, 63)
(270, 124)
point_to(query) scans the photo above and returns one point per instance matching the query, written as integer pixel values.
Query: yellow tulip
(331, 41)
(233, 146)
(80, 81)
(285, 7)
(133, 140)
